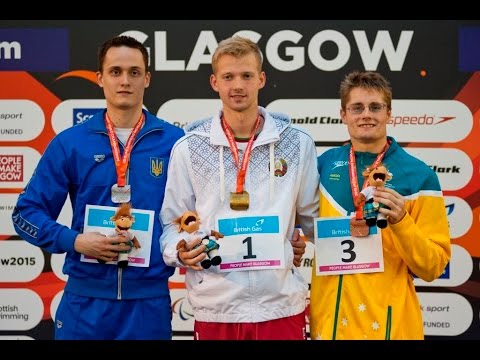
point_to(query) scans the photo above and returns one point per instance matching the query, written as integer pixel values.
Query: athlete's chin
(239, 106)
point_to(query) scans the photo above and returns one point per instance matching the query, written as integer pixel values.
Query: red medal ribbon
(352, 168)
(121, 164)
(242, 171)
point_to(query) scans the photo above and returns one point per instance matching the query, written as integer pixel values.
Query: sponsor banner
(16, 166)
(445, 314)
(411, 120)
(456, 273)
(319, 117)
(181, 112)
(283, 41)
(20, 309)
(460, 216)
(431, 121)
(453, 167)
(20, 261)
(20, 120)
(76, 111)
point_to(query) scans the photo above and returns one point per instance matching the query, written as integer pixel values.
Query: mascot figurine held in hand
(376, 177)
(124, 220)
(190, 223)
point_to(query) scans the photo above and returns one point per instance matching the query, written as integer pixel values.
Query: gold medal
(239, 201)
(358, 228)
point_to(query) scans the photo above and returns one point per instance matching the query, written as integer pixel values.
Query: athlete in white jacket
(250, 175)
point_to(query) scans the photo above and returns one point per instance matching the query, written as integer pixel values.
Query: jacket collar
(97, 123)
(270, 132)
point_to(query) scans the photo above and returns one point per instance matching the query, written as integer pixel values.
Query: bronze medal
(239, 201)
(358, 227)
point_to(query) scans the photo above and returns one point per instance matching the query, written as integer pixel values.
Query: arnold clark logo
(411, 120)
(453, 167)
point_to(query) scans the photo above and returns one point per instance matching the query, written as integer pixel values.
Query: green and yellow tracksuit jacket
(381, 305)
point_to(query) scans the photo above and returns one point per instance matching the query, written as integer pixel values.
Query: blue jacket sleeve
(39, 204)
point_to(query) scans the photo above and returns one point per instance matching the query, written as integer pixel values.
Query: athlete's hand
(298, 247)
(395, 203)
(189, 255)
(100, 246)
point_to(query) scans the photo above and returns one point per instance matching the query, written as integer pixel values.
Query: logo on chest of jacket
(99, 157)
(281, 167)
(156, 166)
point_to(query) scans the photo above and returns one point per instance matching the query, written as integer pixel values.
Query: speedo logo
(339, 163)
(418, 120)
(429, 120)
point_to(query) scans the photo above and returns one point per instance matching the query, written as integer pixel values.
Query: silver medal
(121, 194)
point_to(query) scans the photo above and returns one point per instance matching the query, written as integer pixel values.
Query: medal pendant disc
(359, 228)
(239, 201)
(121, 194)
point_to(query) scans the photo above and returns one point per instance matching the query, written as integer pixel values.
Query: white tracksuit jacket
(281, 177)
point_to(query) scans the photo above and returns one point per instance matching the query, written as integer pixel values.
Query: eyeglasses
(357, 109)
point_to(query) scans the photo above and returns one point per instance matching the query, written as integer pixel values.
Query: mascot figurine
(376, 177)
(124, 220)
(190, 223)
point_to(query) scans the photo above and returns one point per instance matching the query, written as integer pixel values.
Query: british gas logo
(249, 225)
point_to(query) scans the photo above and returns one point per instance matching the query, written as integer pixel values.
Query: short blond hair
(238, 47)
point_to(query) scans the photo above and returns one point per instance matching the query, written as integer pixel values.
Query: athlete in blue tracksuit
(101, 300)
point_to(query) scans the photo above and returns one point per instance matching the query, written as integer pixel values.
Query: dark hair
(369, 80)
(238, 47)
(120, 41)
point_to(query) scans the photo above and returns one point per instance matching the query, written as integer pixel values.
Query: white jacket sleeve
(179, 197)
(308, 196)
